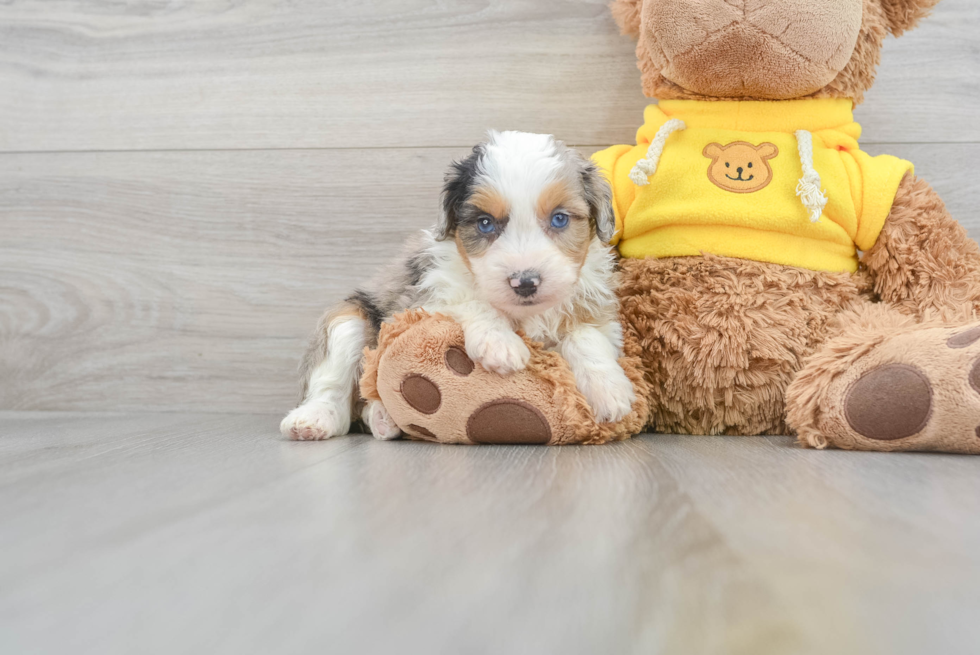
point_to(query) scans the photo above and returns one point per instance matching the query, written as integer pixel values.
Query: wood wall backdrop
(184, 186)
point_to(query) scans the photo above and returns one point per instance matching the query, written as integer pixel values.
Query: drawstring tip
(808, 189)
(639, 177)
(813, 199)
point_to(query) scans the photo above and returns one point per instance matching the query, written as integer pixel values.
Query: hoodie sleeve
(880, 177)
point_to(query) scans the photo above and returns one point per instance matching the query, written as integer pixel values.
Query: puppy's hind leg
(332, 368)
(376, 417)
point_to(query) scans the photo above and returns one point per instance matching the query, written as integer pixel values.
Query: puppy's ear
(627, 15)
(460, 181)
(598, 195)
(903, 15)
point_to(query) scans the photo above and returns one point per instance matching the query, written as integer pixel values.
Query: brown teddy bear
(775, 278)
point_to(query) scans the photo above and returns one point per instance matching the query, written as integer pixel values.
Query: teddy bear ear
(627, 15)
(903, 15)
(712, 150)
(767, 150)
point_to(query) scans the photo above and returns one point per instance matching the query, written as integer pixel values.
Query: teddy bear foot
(432, 390)
(915, 391)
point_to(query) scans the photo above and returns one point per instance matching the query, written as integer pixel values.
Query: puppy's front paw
(313, 421)
(379, 421)
(499, 351)
(610, 394)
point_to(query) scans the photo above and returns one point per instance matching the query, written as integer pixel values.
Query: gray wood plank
(820, 522)
(122, 76)
(189, 280)
(169, 266)
(206, 533)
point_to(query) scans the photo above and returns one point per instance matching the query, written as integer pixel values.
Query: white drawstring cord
(808, 188)
(644, 168)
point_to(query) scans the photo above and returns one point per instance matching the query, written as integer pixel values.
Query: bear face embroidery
(740, 167)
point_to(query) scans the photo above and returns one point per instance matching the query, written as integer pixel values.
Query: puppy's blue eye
(485, 225)
(559, 220)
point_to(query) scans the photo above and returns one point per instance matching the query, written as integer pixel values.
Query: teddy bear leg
(888, 383)
(420, 381)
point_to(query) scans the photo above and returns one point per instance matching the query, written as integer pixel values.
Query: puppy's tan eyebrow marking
(573, 240)
(488, 200)
(557, 194)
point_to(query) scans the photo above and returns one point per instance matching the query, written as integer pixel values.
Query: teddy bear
(774, 278)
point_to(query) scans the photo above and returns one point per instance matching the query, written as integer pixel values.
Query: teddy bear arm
(432, 390)
(924, 263)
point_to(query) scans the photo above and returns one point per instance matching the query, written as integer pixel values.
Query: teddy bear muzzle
(774, 49)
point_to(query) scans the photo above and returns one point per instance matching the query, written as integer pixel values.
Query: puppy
(522, 243)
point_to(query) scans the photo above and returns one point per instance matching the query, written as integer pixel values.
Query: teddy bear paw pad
(893, 401)
(965, 338)
(458, 361)
(421, 432)
(508, 421)
(421, 393)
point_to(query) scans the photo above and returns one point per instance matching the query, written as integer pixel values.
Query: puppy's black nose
(525, 283)
(739, 169)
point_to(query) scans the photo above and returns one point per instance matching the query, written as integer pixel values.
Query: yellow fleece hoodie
(772, 181)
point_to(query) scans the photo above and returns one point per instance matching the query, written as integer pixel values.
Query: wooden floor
(184, 186)
(184, 533)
